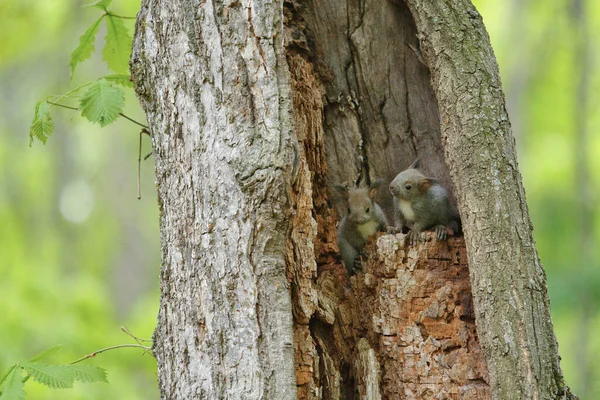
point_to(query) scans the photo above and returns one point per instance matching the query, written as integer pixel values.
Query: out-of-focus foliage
(101, 102)
(79, 254)
(535, 42)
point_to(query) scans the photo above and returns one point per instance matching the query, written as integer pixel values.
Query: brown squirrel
(363, 220)
(422, 203)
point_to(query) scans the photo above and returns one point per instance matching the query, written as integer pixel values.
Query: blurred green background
(79, 254)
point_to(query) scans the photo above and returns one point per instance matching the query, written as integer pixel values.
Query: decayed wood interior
(363, 105)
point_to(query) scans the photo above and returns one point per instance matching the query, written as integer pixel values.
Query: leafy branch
(102, 102)
(57, 376)
(117, 45)
(118, 346)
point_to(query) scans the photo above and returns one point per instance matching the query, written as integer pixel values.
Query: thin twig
(121, 114)
(119, 346)
(63, 106)
(139, 193)
(59, 97)
(137, 339)
(119, 16)
(135, 122)
(146, 349)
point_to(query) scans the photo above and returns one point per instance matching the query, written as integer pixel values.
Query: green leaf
(102, 4)
(13, 389)
(102, 102)
(89, 373)
(43, 355)
(86, 46)
(53, 376)
(42, 125)
(119, 79)
(7, 374)
(117, 48)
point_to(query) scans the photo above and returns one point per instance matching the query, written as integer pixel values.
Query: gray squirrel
(363, 220)
(422, 203)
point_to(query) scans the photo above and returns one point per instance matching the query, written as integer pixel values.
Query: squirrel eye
(348, 210)
(367, 210)
(407, 187)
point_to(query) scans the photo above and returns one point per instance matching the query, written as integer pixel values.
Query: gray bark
(509, 284)
(213, 81)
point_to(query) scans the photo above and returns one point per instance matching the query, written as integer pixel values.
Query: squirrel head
(360, 202)
(410, 184)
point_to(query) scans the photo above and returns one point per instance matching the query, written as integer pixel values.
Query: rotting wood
(404, 330)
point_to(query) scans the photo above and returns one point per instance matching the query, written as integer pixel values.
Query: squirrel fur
(364, 219)
(422, 203)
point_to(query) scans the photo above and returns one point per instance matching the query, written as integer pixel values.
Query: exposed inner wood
(363, 103)
(379, 110)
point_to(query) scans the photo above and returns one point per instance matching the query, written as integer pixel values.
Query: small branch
(59, 97)
(119, 346)
(137, 339)
(139, 193)
(63, 106)
(135, 122)
(121, 114)
(118, 16)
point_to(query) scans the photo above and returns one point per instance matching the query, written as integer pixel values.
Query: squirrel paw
(357, 265)
(393, 230)
(455, 227)
(414, 238)
(441, 232)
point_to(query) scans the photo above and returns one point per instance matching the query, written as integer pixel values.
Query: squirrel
(422, 203)
(363, 220)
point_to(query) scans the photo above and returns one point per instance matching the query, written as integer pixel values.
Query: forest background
(80, 254)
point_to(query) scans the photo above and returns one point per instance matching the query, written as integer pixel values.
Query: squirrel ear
(415, 164)
(342, 190)
(374, 186)
(425, 183)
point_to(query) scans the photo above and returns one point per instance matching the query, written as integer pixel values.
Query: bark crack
(410, 132)
(261, 51)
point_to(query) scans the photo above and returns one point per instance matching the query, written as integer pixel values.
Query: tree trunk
(214, 83)
(255, 108)
(509, 284)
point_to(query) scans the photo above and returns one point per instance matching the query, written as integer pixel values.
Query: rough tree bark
(255, 108)
(509, 284)
(214, 83)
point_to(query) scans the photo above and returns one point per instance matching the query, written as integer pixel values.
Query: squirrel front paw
(441, 232)
(357, 266)
(414, 237)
